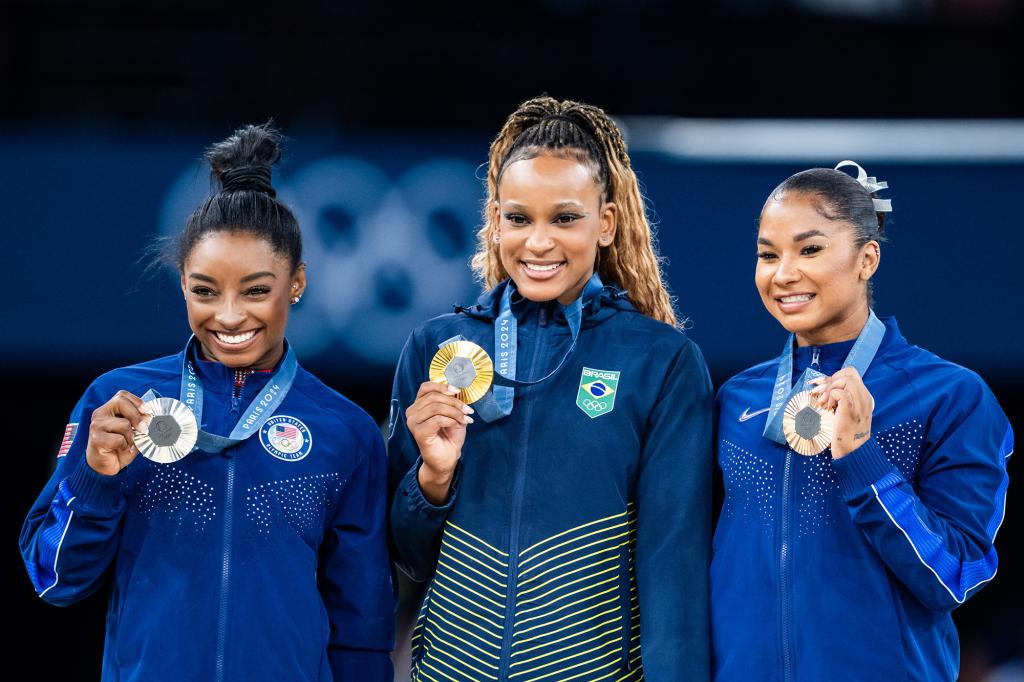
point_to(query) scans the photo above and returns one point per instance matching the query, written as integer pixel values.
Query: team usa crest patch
(286, 438)
(597, 391)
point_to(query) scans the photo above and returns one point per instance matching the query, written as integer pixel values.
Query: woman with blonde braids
(563, 518)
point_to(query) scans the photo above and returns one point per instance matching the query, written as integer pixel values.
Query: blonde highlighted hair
(581, 131)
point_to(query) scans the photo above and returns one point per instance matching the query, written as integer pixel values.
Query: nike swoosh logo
(750, 415)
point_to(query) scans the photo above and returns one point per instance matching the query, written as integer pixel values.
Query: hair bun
(244, 160)
(248, 177)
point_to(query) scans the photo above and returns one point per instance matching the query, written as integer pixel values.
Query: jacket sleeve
(936, 533)
(416, 524)
(674, 525)
(355, 573)
(72, 532)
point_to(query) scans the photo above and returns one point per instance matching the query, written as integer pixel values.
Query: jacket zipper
(785, 579)
(229, 503)
(784, 576)
(517, 508)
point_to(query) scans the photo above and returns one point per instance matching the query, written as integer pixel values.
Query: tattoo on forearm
(864, 434)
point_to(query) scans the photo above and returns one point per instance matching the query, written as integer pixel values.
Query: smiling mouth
(235, 339)
(542, 267)
(794, 298)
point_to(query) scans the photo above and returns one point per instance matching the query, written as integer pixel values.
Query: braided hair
(585, 133)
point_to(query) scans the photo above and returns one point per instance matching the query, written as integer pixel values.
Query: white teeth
(795, 299)
(235, 338)
(541, 268)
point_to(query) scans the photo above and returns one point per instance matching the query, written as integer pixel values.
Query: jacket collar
(610, 300)
(222, 380)
(832, 355)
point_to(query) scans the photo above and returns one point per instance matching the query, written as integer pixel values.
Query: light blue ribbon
(256, 415)
(859, 357)
(497, 402)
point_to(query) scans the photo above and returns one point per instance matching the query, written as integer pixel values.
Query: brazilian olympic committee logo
(597, 391)
(286, 438)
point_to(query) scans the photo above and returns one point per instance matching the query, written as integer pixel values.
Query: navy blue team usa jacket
(574, 544)
(267, 561)
(850, 569)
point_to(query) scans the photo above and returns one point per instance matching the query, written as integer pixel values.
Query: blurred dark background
(107, 106)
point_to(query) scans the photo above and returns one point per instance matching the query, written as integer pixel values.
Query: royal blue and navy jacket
(576, 537)
(241, 565)
(849, 569)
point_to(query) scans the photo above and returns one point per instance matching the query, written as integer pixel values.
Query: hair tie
(248, 177)
(871, 184)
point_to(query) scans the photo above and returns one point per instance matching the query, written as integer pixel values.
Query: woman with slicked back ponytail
(865, 478)
(248, 542)
(550, 446)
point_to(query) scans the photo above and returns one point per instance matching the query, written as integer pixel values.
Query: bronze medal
(808, 429)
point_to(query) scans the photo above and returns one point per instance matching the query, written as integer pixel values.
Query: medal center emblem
(164, 430)
(460, 372)
(807, 423)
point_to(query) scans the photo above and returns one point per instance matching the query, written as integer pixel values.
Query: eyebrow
(248, 278)
(513, 206)
(808, 234)
(257, 275)
(798, 238)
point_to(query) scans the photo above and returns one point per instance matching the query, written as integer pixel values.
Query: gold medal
(808, 428)
(172, 431)
(466, 366)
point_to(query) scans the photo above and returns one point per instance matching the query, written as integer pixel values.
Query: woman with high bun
(865, 478)
(248, 542)
(559, 510)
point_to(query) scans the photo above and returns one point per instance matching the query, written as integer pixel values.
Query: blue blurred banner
(389, 223)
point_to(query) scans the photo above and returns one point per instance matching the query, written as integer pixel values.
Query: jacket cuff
(95, 493)
(861, 468)
(410, 487)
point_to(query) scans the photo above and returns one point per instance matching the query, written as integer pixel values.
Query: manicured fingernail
(143, 427)
(467, 419)
(467, 409)
(452, 390)
(144, 409)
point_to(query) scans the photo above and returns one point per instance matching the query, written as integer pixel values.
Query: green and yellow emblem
(597, 391)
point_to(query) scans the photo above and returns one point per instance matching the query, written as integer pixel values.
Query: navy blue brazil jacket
(575, 541)
(251, 564)
(849, 569)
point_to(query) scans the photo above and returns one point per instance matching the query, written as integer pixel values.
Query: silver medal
(172, 431)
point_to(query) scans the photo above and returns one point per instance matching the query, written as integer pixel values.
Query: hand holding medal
(112, 431)
(850, 405)
(460, 373)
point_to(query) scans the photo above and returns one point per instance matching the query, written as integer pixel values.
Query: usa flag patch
(69, 438)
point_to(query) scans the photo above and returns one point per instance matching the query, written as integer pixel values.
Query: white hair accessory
(871, 184)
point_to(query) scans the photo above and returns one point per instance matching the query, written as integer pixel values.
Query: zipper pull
(543, 315)
(815, 356)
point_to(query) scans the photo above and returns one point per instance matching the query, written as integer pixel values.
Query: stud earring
(497, 238)
(296, 299)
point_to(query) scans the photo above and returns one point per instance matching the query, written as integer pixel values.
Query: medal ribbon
(255, 416)
(497, 402)
(859, 357)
